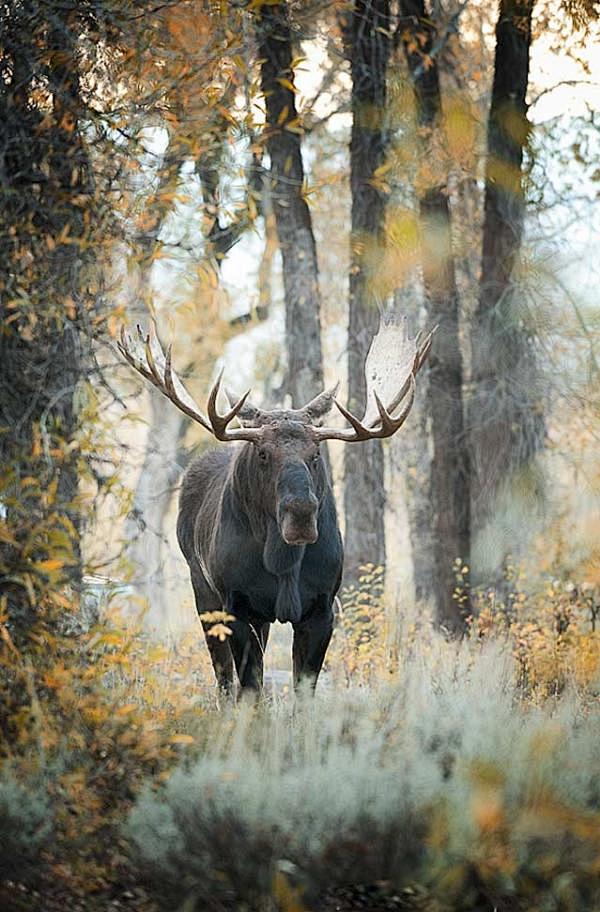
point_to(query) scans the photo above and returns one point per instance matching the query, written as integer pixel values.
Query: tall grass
(442, 779)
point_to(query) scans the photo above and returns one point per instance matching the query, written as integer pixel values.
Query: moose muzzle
(298, 521)
(297, 505)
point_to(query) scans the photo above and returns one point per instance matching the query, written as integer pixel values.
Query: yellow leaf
(47, 566)
(383, 169)
(287, 84)
(36, 446)
(181, 739)
(227, 115)
(220, 631)
(126, 709)
(109, 639)
(6, 535)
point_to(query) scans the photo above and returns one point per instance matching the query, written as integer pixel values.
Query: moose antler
(156, 367)
(409, 355)
(414, 353)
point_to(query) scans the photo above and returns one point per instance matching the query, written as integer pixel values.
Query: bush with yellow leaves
(554, 628)
(92, 715)
(360, 649)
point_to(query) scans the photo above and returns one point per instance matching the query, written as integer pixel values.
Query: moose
(257, 522)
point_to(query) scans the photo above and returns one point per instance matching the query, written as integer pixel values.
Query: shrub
(25, 827)
(469, 772)
(360, 649)
(444, 779)
(93, 715)
(224, 831)
(553, 627)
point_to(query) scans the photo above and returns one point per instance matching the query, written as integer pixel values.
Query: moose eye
(263, 456)
(316, 459)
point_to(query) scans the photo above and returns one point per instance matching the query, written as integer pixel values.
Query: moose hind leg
(311, 639)
(219, 651)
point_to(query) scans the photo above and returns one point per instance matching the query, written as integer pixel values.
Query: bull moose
(257, 522)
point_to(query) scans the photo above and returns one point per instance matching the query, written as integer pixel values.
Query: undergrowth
(90, 718)
(444, 780)
(26, 825)
(464, 775)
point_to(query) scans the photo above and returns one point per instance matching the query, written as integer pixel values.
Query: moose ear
(249, 415)
(315, 410)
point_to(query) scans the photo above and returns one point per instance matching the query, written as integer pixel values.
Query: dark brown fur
(258, 527)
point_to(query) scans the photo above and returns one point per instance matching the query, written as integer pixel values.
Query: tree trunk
(164, 454)
(292, 215)
(506, 414)
(411, 457)
(145, 526)
(45, 180)
(147, 551)
(149, 548)
(364, 494)
(70, 180)
(450, 473)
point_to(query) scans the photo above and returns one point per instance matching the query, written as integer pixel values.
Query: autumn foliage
(428, 773)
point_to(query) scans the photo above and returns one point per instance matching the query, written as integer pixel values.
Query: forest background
(260, 182)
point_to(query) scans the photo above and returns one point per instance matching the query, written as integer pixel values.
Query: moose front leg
(248, 642)
(219, 651)
(311, 639)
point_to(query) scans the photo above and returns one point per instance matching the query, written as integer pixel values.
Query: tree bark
(292, 215)
(506, 413)
(450, 471)
(148, 548)
(69, 173)
(144, 528)
(46, 189)
(364, 493)
(411, 457)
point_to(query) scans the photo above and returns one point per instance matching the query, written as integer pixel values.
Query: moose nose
(299, 521)
(300, 506)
